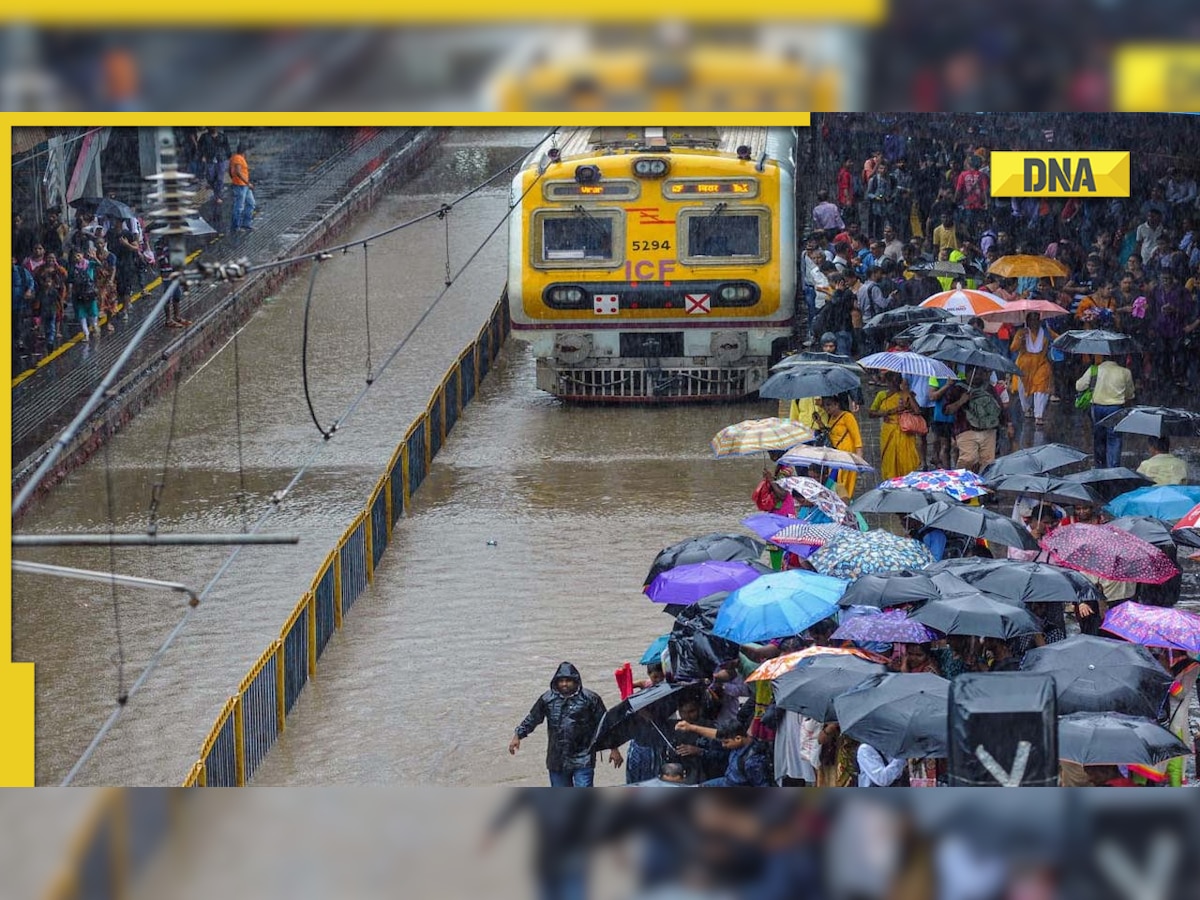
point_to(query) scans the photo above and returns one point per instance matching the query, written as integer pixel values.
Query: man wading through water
(571, 714)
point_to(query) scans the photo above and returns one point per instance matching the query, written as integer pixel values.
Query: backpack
(982, 410)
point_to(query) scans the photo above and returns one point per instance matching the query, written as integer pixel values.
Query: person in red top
(243, 191)
(845, 187)
(971, 191)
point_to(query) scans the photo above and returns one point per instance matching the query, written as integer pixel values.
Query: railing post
(239, 742)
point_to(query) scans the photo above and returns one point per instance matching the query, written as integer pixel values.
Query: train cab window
(574, 238)
(721, 236)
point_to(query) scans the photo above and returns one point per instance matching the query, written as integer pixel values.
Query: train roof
(779, 143)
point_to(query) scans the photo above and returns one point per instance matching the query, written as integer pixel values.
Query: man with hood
(572, 714)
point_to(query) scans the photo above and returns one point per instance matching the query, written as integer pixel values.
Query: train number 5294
(651, 245)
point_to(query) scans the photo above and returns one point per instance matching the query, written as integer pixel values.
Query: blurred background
(923, 55)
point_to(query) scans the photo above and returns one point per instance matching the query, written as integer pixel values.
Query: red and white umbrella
(965, 302)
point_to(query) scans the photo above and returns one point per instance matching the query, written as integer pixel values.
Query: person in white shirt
(876, 771)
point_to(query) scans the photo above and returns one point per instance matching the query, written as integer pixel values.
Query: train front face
(654, 276)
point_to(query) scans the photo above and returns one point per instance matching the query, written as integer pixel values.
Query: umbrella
(1187, 530)
(976, 614)
(703, 611)
(1156, 421)
(973, 356)
(896, 500)
(900, 715)
(891, 627)
(767, 524)
(798, 381)
(1033, 461)
(870, 552)
(1148, 528)
(950, 329)
(1154, 626)
(1096, 674)
(1016, 311)
(716, 546)
(691, 582)
(1027, 582)
(816, 358)
(959, 484)
(776, 666)
(1049, 488)
(883, 591)
(1109, 483)
(105, 206)
(759, 435)
(945, 268)
(812, 686)
(904, 317)
(808, 535)
(1099, 341)
(654, 652)
(1108, 552)
(907, 364)
(777, 605)
(621, 722)
(817, 494)
(930, 344)
(977, 522)
(1094, 739)
(965, 302)
(694, 651)
(1024, 265)
(826, 458)
(1163, 501)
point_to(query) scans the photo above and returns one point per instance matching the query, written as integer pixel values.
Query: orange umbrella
(773, 668)
(1028, 266)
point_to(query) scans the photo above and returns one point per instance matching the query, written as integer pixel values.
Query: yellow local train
(655, 264)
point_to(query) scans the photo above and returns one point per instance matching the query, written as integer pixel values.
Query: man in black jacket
(571, 714)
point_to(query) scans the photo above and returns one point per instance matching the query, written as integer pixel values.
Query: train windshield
(724, 235)
(579, 235)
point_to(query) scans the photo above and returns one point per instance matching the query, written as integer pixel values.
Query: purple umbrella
(893, 626)
(767, 524)
(690, 582)
(1154, 626)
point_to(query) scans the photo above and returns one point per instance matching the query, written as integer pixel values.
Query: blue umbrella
(1170, 502)
(654, 652)
(693, 581)
(778, 605)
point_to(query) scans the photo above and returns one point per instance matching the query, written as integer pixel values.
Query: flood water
(527, 544)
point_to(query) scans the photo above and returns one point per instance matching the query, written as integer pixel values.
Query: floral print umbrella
(817, 494)
(1154, 626)
(961, 484)
(1108, 552)
(893, 626)
(773, 668)
(870, 553)
(758, 436)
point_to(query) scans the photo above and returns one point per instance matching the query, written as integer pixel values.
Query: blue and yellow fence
(253, 718)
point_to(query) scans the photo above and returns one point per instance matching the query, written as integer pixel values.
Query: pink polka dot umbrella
(1108, 552)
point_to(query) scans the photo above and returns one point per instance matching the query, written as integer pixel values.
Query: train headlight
(736, 292)
(587, 174)
(650, 167)
(567, 295)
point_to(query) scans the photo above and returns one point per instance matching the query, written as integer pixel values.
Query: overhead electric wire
(278, 497)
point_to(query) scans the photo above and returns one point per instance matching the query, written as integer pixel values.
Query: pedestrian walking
(571, 713)
(214, 151)
(1112, 388)
(243, 191)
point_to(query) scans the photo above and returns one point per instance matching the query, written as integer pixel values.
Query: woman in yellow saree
(843, 435)
(898, 450)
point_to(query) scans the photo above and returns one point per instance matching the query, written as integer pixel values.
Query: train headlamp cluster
(587, 174)
(650, 167)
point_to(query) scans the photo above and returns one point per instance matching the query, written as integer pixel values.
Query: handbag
(1084, 400)
(911, 423)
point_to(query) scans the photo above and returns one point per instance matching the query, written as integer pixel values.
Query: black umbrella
(976, 614)
(1051, 488)
(973, 356)
(1097, 341)
(816, 357)
(1095, 674)
(1155, 421)
(694, 650)
(716, 546)
(705, 609)
(622, 723)
(977, 522)
(946, 268)
(914, 332)
(883, 591)
(1110, 483)
(904, 317)
(897, 500)
(933, 343)
(1112, 739)
(812, 686)
(1149, 529)
(900, 715)
(105, 206)
(1026, 582)
(1033, 461)
(814, 380)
